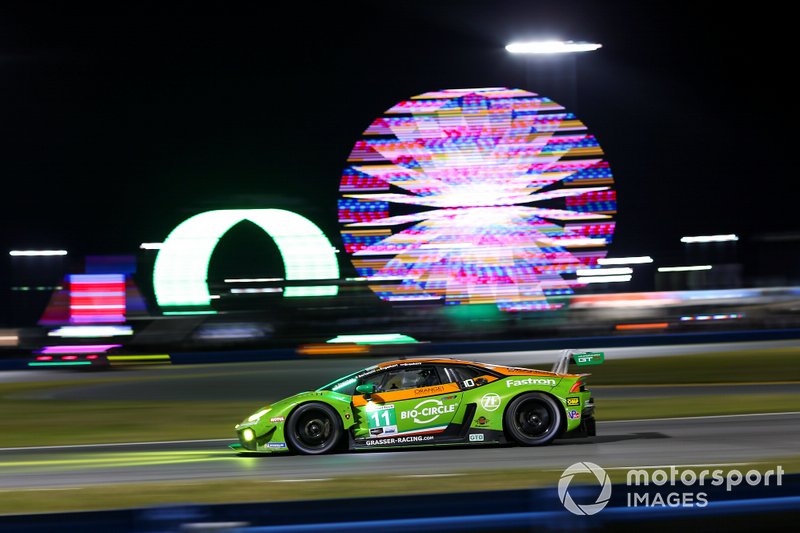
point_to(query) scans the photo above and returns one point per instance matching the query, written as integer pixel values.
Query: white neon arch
(181, 268)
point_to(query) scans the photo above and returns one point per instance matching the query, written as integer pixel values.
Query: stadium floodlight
(710, 238)
(625, 260)
(684, 268)
(36, 253)
(551, 47)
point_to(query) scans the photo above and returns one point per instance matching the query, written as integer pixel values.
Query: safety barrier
(744, 508)
(20, 362)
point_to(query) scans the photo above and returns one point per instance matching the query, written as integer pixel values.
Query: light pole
(551, 68)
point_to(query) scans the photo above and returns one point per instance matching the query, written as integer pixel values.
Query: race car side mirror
(366, 389)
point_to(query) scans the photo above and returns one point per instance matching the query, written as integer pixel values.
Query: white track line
(67, 446)
(674, 466)
(300, 480)
(664, 467)
(430, 475)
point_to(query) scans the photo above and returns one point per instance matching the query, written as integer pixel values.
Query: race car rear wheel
(313, 428)
(532, 419)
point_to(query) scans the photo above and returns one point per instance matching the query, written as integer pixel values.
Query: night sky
(116, 128)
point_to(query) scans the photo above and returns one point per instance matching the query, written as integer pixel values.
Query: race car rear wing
(576, 357)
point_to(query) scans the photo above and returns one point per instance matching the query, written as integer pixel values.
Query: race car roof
(500, 369)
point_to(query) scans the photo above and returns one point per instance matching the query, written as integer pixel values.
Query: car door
(410, 405)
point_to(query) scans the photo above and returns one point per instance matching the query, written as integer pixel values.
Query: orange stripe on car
(407, 394)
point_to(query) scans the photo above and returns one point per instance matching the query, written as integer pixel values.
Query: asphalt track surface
(718, 440)
(685, 441)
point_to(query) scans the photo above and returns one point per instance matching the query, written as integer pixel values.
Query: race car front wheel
(313, 428)
(532, 419)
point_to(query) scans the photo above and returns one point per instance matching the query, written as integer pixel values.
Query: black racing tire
(313, 428)
(533, 419)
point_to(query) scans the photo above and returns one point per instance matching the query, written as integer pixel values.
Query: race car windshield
(345, 385)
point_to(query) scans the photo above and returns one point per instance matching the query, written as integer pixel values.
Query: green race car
(428, 402)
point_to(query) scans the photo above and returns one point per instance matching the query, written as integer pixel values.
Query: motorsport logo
(644, 486)
(429, 410)
(590, 508)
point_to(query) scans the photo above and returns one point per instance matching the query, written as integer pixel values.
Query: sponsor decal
(468, 383)
(451, 397)
(490, 402)
(411, 439)
(573, 401)
(530, 381)
(476, 437)
(380, 432)
(372, 407)
(425, 391)
(482, 421)
(589, 358)
(427, 411)
(276, 419)
(573, 414)
(367, 373)
(381, 417)
(276, 445)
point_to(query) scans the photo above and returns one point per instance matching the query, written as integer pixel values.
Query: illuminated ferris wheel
(489, 195)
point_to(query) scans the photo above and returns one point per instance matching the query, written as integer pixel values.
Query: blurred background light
(689, 268)
(181, 267)
(251, 280)
(604, 279)
(79, 348)
(9, 337)
(551, 47)
(36, 253)
(710, 238)
(604, 271)
(471, 165)
(376, 338)
(97, 298)
(625, 260)
(256, 290)
(91, 331)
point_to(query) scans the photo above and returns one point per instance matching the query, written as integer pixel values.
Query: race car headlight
(248, 434)
(255, 417)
